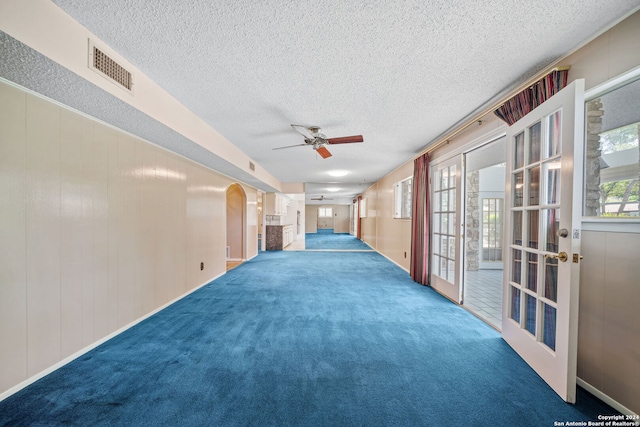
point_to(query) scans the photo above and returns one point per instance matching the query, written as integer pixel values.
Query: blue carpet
(328, 240)
(301, 339)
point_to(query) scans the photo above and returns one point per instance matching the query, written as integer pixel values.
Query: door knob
(563, 232)
(562, 256)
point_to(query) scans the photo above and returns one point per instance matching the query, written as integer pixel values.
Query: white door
(543, 201)
(446, 226)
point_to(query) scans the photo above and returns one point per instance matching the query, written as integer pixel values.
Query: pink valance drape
(420, 230)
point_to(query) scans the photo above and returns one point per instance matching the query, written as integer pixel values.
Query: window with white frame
(325, 212)
(612, 153)
(403, 197)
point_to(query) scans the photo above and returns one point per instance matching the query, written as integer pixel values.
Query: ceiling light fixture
(333, 189)
(338, 173)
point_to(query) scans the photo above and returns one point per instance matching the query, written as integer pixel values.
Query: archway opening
(236, 221)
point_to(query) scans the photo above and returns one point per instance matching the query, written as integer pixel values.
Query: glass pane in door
(551, 221)
(517, 228)
(519, 151)
(532, 229)
(530, 303)
(551, 278)
(532, 271)
(534, 186)
(518, 189)
(534, 146)
(549, 326)
(552, 174)
(514, 309)
(553, 140)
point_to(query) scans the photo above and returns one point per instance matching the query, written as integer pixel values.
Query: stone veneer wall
(472, 222)
(592, 160)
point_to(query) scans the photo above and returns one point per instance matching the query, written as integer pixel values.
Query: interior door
(446, 229)
(543, 201)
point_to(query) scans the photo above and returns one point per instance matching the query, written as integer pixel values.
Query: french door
(445, 250)
(542, 238)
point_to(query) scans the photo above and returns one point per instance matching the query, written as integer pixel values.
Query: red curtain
(420, 230)
(524, 102)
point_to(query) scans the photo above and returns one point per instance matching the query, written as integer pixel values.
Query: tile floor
(483, 295)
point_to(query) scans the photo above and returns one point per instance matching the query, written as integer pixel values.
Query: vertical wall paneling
(216, 195)
(163, 241)
(126, 231)
(86, 226)
(43, 233)
(591, 309)
(100, 175)
(114, 216)
(148, 228)
(13, 296)
(140, 232)
(197, 211)
(98, 228)
(71, 191)
(621, 355)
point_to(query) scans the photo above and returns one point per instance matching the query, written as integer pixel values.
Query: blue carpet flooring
(326, 239)
(301, 339)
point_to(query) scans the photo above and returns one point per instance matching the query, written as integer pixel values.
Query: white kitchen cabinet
(276, 204)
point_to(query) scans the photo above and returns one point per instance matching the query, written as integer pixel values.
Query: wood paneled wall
(608, 330)
(97, 229)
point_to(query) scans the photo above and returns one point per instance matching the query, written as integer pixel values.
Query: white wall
(97, 229)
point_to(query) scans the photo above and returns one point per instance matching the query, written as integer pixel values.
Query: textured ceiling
(398, 72)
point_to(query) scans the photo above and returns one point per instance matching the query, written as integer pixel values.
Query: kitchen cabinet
(276, 204)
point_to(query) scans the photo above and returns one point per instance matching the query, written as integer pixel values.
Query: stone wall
(592, 158)
(472, 222)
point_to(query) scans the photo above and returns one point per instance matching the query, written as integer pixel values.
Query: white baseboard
(402, 267)
(90, 347)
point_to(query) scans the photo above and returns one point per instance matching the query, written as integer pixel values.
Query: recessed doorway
(236, 220)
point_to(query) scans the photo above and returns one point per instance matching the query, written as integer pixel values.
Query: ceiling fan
(314, 137)
(320, 198)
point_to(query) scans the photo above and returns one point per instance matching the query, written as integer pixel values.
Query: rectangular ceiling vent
(109, 68)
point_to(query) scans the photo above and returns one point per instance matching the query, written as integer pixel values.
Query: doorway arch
(236, 224)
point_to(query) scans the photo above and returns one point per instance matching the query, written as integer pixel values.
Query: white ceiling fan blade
(304, 131)
(291, 146)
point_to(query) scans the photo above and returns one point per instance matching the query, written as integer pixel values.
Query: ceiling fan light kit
(314, 137)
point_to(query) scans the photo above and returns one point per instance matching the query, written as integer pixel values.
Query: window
(612, 154)
(492, 209)
(402, 195)
(325, 212)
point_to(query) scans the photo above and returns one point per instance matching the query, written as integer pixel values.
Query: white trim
(611, 84)
(478, 142)
(405, 269)
(95, 344)
(619, 225)
(606, 399)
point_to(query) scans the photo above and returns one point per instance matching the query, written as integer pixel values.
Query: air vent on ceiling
(109, 68)
(252, 166)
